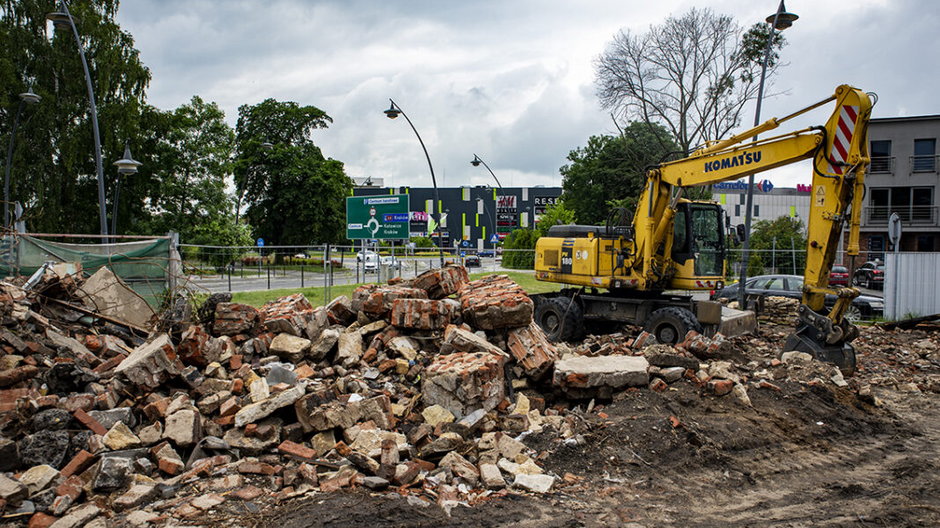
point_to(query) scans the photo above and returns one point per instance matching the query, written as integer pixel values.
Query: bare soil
(804, 455)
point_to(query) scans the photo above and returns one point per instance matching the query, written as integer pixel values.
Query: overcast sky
(510, 80)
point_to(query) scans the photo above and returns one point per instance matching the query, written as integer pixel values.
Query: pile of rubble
(425, 387)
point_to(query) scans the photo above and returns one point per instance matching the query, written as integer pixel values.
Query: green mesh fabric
(144, 265)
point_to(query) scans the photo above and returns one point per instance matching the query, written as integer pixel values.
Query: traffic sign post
(894, 234)
(378, 217)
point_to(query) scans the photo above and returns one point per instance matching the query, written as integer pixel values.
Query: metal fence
(912, 285)
(248, 268)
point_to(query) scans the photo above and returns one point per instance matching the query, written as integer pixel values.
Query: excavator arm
(840, 160)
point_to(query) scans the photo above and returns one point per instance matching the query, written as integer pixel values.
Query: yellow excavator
(622, 272)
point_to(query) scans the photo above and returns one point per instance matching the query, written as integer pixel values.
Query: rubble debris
(427, 386)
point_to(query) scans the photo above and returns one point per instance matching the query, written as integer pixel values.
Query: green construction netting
(144, 265)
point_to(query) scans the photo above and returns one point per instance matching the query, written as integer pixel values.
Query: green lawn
(315, 295)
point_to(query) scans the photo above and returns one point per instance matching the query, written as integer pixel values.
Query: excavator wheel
(560, 318)
(670, 325)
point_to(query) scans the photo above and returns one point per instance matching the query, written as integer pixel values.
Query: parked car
(388, 262)
(870, 275)
(487, 253)
(472, 261)
(362, 255)
(863, 307)
(839, 276)
(391, 262)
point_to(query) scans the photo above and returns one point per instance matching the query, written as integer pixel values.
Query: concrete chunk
(464, 382)
(151, 364)
(256, 411)
(602, 371)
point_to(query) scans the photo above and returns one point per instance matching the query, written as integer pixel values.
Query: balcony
(881, 164)
(924, 163)
(919, 215)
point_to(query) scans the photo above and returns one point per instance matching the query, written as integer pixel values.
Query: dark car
(870, 275)
(863, 307)
(487, 253)
(472, 261)
(839, 276)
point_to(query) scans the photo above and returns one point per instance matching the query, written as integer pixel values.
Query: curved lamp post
(127, 165)
(392, 113)
(778, 21)
(477, 160)
(26, 97)
(64, 20)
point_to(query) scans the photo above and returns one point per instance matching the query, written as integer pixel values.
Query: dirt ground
(804, 454)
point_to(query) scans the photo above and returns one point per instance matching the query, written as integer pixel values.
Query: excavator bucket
(817, 336)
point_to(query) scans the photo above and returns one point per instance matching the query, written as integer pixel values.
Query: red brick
(532, 350)
(238, 386)
(170, 466)
(72, 488)
(495, 302)
(157, 410)
(287, 314)
(423, 314)
(93, 425)
(235, 362)
(233, 318)
(304, 371)
(297, 451)
(720, 387)
(255, 468)
(80, 462)
(442, 282)
(247, 493)
(658, 385)
(110, 364)
(85, 402)
(8, 398)
(41, 520)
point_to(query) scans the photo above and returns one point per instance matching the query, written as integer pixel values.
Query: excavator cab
(698, 245)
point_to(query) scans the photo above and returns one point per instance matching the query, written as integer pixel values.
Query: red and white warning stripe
(704, 284)
(843, 139)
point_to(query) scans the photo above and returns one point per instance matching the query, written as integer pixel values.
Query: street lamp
(492, 217)
(778, 21)
(26, 97)
(392, 113)
(127, 165)
(477, 160)
(64, 20)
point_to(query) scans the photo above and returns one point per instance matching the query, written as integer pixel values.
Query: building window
(876, 247)
(737, 210)
(756, 210)
(742, 198)
(925, 155)
(922, 204)
(881, 160)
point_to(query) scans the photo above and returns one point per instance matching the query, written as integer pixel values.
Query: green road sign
(381, 217)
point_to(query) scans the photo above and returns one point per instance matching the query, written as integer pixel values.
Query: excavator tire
(670, 325)
(560, 318)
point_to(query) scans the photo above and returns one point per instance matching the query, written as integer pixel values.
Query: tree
(555, 214)
(693, 74)
(611, 170)
(779, 243)
(294, 195)
(54, 173)
(183, 184)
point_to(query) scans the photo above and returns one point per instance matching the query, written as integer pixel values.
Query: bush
(523, 242)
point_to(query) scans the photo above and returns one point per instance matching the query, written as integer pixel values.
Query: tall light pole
(26, 97)
(392, 113)
(126, 165)
(778, 21)
(477, 160)
(63, 19)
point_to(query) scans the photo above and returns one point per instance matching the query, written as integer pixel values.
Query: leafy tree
(523, 241)
(54, 173)
(423, 242)
(692, 74)
(788, 233)
(184, 182)
(295, 196)
(611, 170)
(555, 214)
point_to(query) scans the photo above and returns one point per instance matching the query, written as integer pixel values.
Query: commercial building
(903, 179)
(770, 201)
(473, 217)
